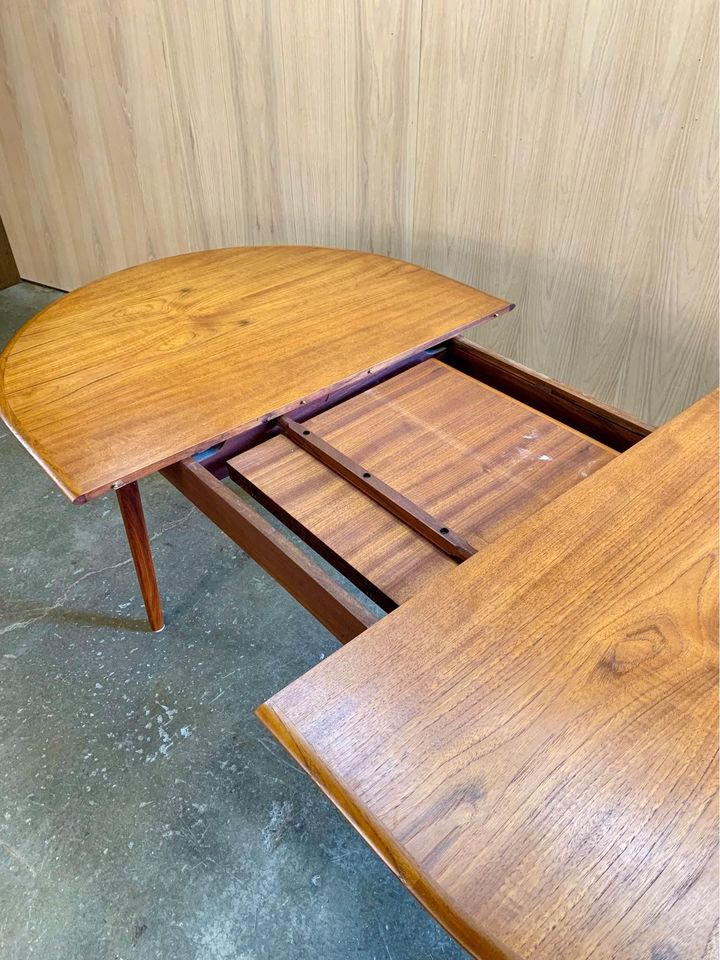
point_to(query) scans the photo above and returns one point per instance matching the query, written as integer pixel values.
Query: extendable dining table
(526, 730)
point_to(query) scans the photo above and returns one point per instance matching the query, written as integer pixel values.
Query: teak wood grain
(149, 365)
(468, 456)
(531, 742)
(395, 503)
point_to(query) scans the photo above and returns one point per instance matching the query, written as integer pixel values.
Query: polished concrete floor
(144, 811)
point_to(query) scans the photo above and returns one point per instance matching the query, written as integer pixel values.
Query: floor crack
(45, 611)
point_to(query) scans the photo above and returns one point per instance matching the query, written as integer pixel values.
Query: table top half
(141, 368)
(531, 741)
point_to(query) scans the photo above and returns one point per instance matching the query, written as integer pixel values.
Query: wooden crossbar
(382, 493)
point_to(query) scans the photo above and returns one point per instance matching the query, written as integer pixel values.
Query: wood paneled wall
(562, 154)
(568, 161)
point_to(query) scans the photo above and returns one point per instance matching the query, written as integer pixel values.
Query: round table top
(149, 365)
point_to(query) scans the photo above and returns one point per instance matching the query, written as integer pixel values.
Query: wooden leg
(136, 529)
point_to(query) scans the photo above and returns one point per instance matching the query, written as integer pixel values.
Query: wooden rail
(591, 417)
(394, 502)
(338, 611)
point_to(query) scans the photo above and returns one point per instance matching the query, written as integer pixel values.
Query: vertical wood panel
(138, 130)
(567, 159)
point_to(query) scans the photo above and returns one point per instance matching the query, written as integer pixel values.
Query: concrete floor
(144, 811)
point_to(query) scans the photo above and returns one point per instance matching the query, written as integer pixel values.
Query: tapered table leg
(137, 534)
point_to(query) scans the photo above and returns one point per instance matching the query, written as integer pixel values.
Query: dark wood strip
(341, 564)
(596, 420)
(8, 268)
(343, 615)
(133, 517)
(390, 499)
(216, 458)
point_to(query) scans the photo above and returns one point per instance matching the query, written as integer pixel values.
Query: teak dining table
(529, 737)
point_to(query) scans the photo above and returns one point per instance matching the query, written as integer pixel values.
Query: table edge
(78, 495)
(478, 943)
(453, 918)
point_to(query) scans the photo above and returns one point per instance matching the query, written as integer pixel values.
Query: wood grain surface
(475, 460)
(531, 742)
(563, 154)
(139, 130)
(148, 365)
(601, 421)
(136, 529)
(568, 154)
(357, 475)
